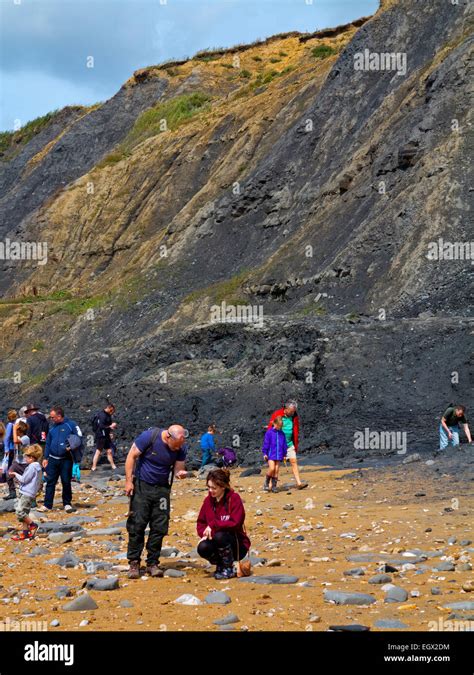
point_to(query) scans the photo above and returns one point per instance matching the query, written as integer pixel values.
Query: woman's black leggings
(208, 548)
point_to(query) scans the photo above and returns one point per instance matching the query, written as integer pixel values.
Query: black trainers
(226, 573)
(10, 495)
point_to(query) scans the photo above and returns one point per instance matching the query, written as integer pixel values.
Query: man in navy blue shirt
(156, 456)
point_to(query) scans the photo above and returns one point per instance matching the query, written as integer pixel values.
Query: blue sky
(45, 44)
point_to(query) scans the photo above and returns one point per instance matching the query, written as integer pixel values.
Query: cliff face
(276, 175)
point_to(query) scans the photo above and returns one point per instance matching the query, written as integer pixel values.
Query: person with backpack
(274, 451)
(157, 456)
(58, 458)
(290, 428)
(449, 430)
(8, 444)
(38, 426)
(221, 525)
(102, 425)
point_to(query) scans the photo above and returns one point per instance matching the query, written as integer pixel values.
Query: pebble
(314, 619)
(270, 579)
(54, 623)
(126, 603)
(444, 567)
(389, 623)
(415, 457)
(230, 618)
(396, 594)
(274, 563)
(355, 572)
(68, 559)
(468, 586)
(217, 598)
(436, 591)
(380, 579)
(465, 606)
(108, 584)
(288, 507)
(38, 550)
(350, 628)
(61, 537)
(103, 531)
(63, 592)
(80, 603)
(344, 598)
(84, 622)
(188, 599)
(174, 574)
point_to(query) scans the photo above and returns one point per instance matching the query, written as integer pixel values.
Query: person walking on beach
(155, 458)
(221, 525)
(102, 425)
(274, 451)
(291, 428)
(30, 483)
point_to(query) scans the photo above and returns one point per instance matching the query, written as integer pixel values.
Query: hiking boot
(266, 485)
(68, 508)
(154, 571)
(134, 570)
(21, 536)
(302, 486)
(10, 495)
(274, 485)
(225, 573)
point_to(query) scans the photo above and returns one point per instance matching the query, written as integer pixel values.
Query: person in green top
(449, 427)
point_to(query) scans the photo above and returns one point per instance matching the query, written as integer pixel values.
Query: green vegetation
(38, 345)
(282, 54)
(323, 51)
(13, 139)
(257, 58)
(227, 65)
(245, 74)
(165, 116)
(274, 60)
(228, 290)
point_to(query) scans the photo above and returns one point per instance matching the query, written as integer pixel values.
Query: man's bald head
(176, 436)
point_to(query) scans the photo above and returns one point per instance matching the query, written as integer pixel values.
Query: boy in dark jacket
(274, 451)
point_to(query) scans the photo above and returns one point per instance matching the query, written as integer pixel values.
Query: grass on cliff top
(165, 116)
(14, 140)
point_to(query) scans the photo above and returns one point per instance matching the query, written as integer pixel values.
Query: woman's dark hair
(220, 477)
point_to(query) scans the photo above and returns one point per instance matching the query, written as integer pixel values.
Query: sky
(46, 45)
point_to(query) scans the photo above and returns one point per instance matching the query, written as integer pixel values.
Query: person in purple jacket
(274, 451)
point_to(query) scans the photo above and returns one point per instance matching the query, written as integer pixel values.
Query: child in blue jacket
(274, 451)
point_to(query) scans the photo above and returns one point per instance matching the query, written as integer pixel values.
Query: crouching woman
(220, 525)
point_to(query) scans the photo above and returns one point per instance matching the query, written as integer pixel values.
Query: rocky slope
(284, 179)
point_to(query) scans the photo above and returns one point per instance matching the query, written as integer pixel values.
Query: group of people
(33, 447)
(37, 453)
